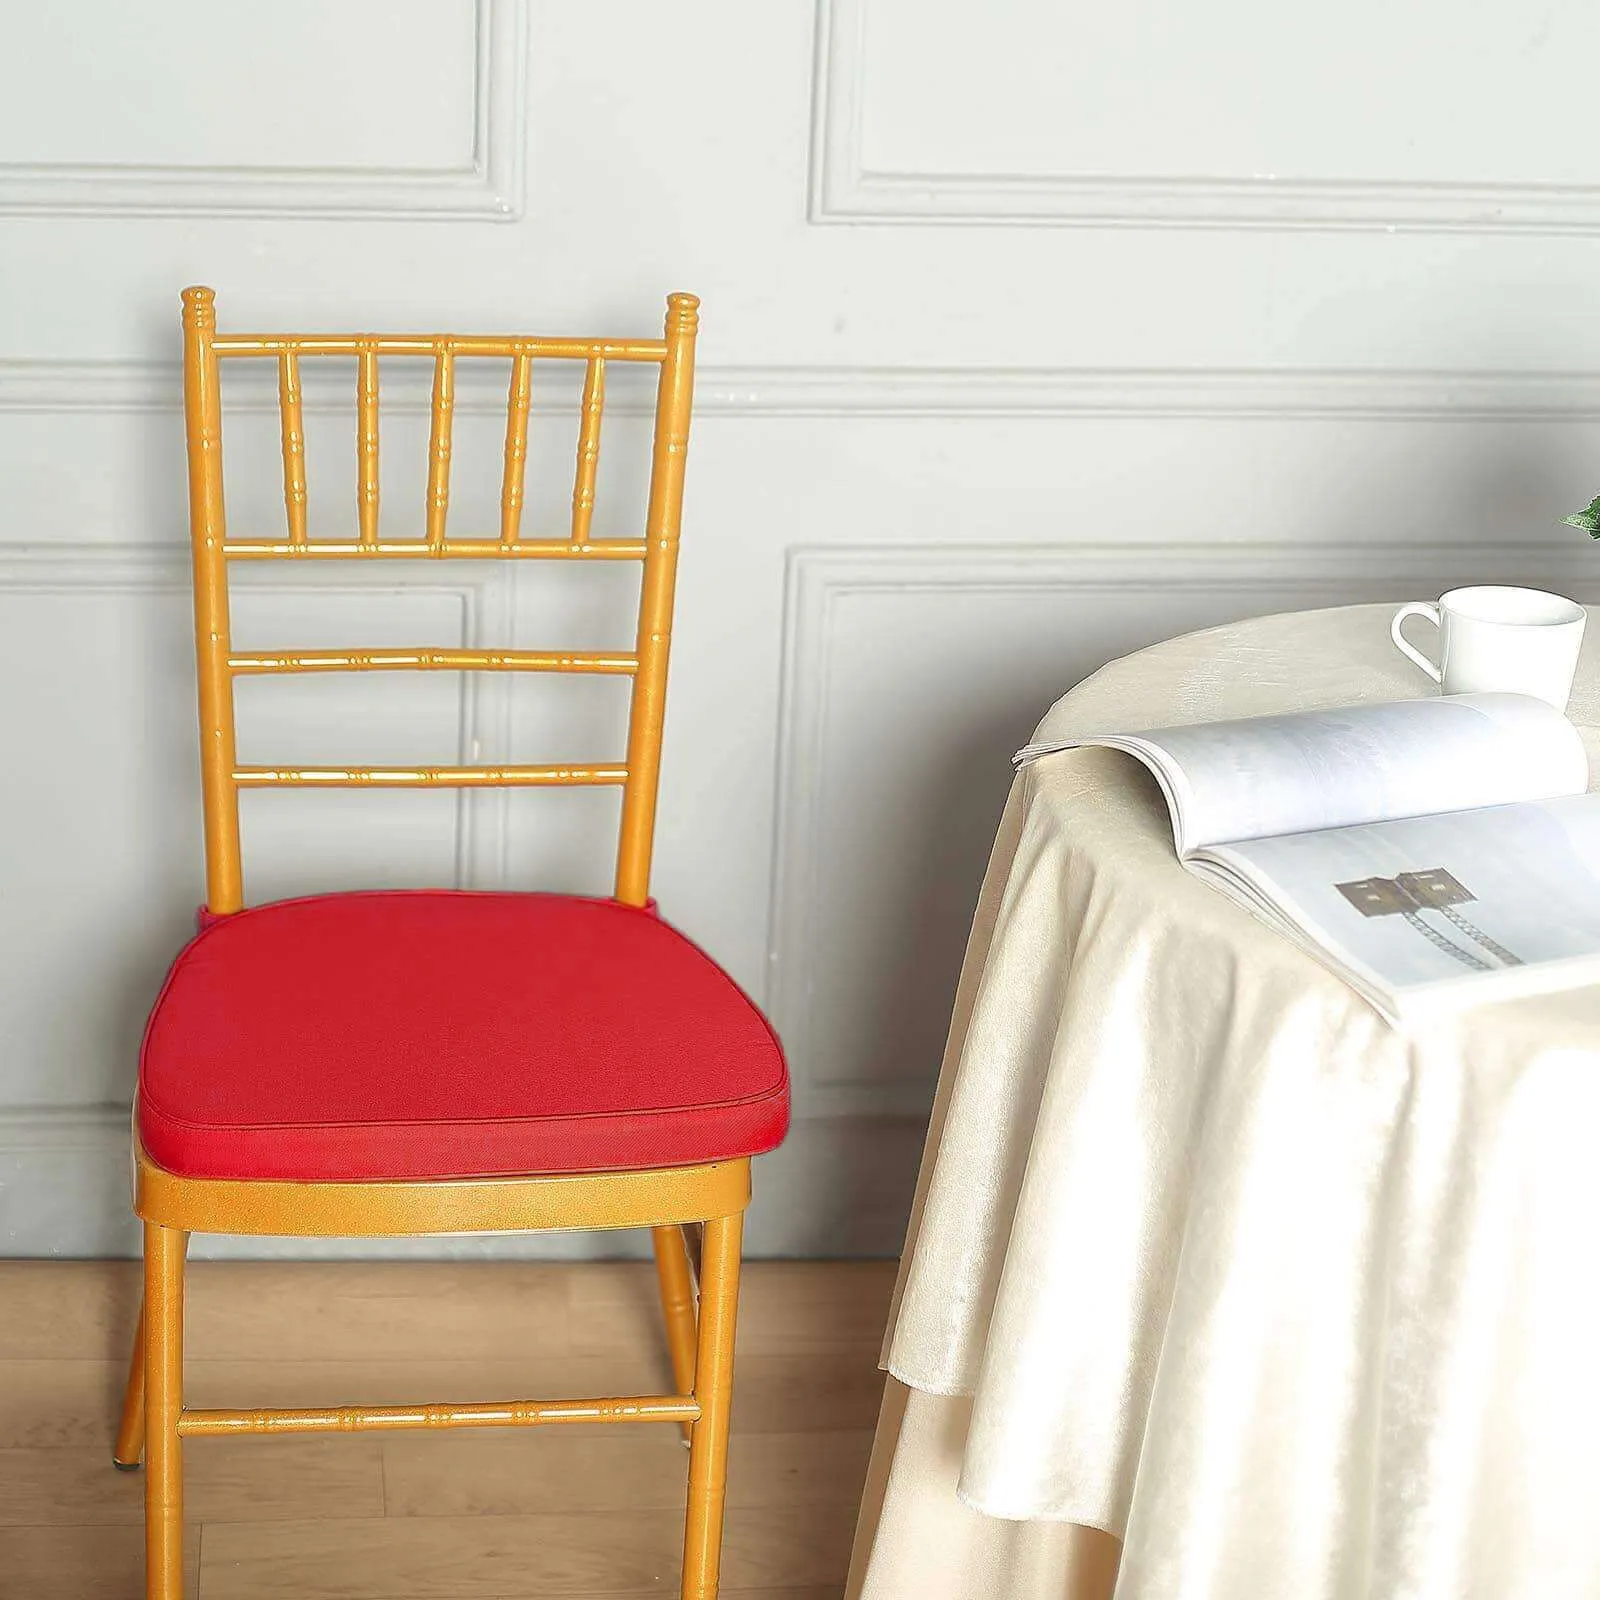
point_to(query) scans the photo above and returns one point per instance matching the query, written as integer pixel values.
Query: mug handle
(1417, 608)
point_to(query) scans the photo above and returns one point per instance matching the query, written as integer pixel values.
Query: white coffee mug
(1494, 639)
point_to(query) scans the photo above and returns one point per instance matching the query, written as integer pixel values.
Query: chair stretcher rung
(483, 1414)
(450, 549)
(425, 777)
(275, 661)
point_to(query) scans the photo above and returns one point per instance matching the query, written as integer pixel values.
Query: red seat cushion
(431, 1034)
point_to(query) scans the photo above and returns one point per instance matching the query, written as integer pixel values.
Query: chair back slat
(222, 776)
(594, 400)
(294, 444)
(444, 408)
(518, 399)
(367, 444)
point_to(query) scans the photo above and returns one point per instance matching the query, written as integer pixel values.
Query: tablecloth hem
(945, 1391)
(1097, 1520)
(1081, 1519)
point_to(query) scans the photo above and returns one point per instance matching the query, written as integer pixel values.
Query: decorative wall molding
(40, 387)
(487, 599)
(817, 577)
(490, 188)
(66, 1191)
(844, 190)
(1249, 392)
(49, 1130)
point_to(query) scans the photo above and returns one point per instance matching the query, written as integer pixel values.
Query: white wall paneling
(1153, 114)
(1209, 311)
(300, 115)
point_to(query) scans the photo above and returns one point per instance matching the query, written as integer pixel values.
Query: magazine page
(1425, 904)
(1308, 770)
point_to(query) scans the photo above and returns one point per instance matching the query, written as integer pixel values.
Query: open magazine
(1425, 850)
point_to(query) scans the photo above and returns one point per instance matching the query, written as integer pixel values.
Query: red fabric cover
(432, 1034)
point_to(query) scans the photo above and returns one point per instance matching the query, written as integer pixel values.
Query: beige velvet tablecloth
(1296, 1305)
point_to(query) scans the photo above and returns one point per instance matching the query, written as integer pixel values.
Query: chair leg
(713, 1388)
(130, 1431)
(128, 1451)
(677, 1308)
(164, 1250)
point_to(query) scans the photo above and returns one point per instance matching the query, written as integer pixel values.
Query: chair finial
(200, 306)
(683, 313)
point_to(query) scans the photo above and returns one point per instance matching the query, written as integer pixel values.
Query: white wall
(1031, 333)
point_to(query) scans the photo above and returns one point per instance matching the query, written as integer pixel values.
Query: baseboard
(65, 1192)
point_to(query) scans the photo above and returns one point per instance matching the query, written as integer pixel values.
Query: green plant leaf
(1587, 519)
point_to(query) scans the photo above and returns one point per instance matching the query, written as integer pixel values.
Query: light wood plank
(475, 1310)
(76, 1563)
(611, 1469)
(288, 1311)
(54, 1309)
(823, 1591)
(814, 1307)
(483, 1558)
(803, 1393)
(224, 1480)
(785, 1307)
(59, 1404)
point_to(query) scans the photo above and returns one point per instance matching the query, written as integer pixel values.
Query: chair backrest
(218, 664)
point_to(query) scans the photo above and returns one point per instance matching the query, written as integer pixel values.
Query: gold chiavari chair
(540, 1062)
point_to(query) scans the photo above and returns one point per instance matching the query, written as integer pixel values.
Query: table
(1211, 1269)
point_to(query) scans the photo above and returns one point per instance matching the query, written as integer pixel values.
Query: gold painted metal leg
(677, 1308)
(130, 1431)
(164, 1250)
(708, 1451)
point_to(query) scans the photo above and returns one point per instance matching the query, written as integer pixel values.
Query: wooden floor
(479, 1515)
